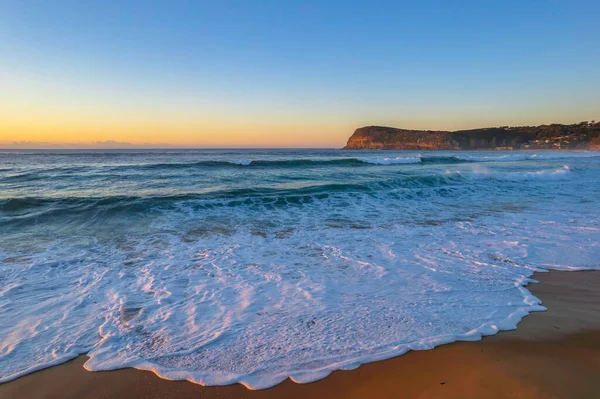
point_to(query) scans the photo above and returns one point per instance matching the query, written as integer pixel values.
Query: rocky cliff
(584, 135)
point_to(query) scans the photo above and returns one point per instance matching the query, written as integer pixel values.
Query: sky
(81, 73)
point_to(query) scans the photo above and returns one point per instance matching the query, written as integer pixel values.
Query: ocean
(249, 266)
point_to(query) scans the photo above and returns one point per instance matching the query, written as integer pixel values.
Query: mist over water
(223, 266)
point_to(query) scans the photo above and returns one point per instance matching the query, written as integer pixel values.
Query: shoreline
(552, 354)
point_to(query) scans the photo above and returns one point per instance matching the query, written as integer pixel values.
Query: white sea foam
(482, 172)
(243, 162)
(392, 161)
(552, 174)
(494, 158)
(255, 310)
(255, 290)
(551, 155)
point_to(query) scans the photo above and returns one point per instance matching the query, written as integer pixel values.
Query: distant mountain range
(579, 136)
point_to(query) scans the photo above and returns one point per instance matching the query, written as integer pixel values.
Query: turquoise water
(250, 266)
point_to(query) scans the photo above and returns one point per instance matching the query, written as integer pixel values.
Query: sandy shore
(554, 354)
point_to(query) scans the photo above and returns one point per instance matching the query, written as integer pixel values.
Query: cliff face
(582, 135)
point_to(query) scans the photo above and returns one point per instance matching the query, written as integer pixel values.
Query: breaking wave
(253, 267)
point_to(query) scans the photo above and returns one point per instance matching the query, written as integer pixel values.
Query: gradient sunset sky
(288, 73)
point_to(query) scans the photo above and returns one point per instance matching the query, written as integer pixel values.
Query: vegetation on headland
(580, 136)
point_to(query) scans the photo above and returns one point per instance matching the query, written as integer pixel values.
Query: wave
(92, 171)
(259, 308)
(294, 163)
(253, 279)
(499, 158)
(18, 205)
(26, 176)
(526, 157)
(392, 161)
(541, 175)
(35, 206)
(479, 158)
(259, 163)
(554, 174)
(362, 161)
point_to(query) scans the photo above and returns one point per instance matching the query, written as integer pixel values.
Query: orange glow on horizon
(160, 133)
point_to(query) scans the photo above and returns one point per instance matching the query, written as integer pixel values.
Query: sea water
(251, 266)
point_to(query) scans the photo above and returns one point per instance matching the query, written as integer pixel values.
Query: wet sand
(553, 354)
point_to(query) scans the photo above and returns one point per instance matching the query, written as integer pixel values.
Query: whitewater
(252, 266)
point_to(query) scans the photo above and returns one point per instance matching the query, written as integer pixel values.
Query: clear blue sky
(290, 73)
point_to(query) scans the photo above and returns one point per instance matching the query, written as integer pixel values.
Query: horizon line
(160, 148)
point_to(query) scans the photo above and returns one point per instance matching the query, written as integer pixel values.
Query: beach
(552, 354)
(299, 200)
(245, 268)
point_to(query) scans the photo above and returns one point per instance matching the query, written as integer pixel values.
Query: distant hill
(579, 136)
